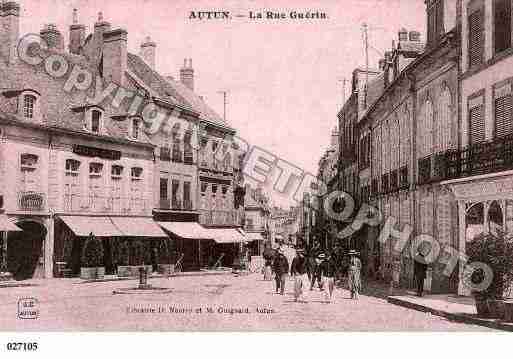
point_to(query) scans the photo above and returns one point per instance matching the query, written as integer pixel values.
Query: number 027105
(21, 346)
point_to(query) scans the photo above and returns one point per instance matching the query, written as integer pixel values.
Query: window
(426, 130)
(404, 131)
(136, 126)
(227, 162)
(394, 144)
(188, 156)
(386, 150)
(95, 169)
(214, 146)
(175, 196)
(72, 167)
(28, 162)
(224, 190)
(476, 119)
(214, 189)
(443, 128)
(136, 173)
(163, 188)
(502, 104)
(96, 117)
(187, 203)
(476, 36)
(177, 151)
(116, 171)
(29, 103)
(502, 25)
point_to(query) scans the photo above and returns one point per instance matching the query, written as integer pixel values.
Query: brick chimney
(100, 27)
(414, 36)
(115, 56)
(76, 35)
(52, 36)
(148, 49)
(9, 30)
(187, 74)
(403, 34)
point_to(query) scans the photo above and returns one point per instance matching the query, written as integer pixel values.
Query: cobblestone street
(66, 305)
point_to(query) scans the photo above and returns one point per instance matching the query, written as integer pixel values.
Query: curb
(460, 318)
(180, 274)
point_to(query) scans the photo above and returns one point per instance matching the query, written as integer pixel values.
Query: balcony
(220, 218)
(187, 205)
(477, 159)
(176, 204)
(31, 201)
(165, 203)
(104, 204)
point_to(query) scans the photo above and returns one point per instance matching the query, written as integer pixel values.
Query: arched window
(425, 133)
(135, 127)
(443, 141)
(394, 144)
(386, 149)
(187, 143)
(404, 133)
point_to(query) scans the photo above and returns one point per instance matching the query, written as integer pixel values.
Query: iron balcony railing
(105, 204)
(31, 201)
(219, 218)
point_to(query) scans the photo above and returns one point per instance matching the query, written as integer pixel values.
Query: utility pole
(225, 102)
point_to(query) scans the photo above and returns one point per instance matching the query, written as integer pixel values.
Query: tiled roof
(375, 88)
(173, 90)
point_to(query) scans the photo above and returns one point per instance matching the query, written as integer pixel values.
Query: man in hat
(354, 280)
(419, 272)
(281, 269)
(327, 270)
(298, 271)
(316, 272)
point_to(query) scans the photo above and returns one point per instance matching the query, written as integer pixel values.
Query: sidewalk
(450, 306)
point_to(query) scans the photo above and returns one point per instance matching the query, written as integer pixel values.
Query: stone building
(95, 140)
(478, 172)
(257, 217)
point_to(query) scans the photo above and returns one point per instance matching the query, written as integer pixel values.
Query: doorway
(25, 251)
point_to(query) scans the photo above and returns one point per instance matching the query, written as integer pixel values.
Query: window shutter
(502, 26)
(477, 124)
(502, 110)
(476, 37)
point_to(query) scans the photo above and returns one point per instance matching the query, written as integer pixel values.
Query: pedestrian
(281, 269)
(268, 261)
(315, 271)
(419, 272)
(354, 279)
(327, 268)
(298, 271)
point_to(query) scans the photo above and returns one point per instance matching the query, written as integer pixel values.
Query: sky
(284, 78)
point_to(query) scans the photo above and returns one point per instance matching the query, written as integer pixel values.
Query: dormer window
(96, 117)
(135, 128)
(29, 104)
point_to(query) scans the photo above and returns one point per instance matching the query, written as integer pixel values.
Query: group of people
(307, 270)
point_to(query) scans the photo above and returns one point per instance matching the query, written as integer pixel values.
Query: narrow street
(65, 305)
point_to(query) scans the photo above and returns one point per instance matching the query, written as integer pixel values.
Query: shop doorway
(25, 251)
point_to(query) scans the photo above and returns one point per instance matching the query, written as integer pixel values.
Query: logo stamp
(28, 308)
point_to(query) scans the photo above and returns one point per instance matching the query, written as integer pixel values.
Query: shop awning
(104, 226)
(138, 227)
(254, 237)
(226, 235)
(187, 230)
(83, 226)
(6, 225)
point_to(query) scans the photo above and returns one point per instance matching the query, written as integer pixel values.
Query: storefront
(114, 231)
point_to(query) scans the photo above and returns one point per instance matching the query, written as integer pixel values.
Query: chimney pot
(75, 16)
(148, 51)
(115, 55)
(10, 18)
(52, 36)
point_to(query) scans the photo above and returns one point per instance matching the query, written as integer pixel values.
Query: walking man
(354, 280)
(315, 271)
(327, 270)
(281, 269)
(419, 272)
(298, 271)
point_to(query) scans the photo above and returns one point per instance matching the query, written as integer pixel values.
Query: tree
(92, 255)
